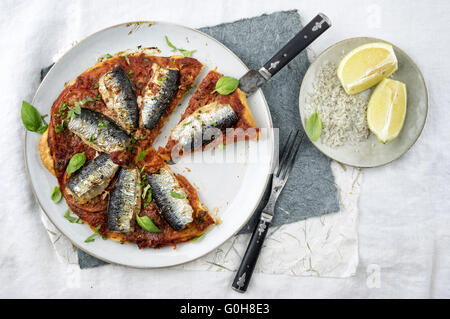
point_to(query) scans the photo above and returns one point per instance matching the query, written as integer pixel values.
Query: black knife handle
(297, 44)
(245, 271)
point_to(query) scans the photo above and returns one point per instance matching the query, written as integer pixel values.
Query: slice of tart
(209, 120)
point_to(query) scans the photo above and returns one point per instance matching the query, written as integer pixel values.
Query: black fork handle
(245, 271)
(297, 44)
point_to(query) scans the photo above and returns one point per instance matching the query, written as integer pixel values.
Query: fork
(279, 178)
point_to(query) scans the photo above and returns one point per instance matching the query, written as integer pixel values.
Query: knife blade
(254, 79)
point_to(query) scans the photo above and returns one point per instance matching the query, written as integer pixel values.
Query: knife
(253, 79)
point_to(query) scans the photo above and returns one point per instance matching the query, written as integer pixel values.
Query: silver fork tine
(291, 162)
(283, 155)
(287, 153)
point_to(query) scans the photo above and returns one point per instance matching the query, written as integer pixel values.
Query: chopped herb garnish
(186, 124)
(56, 194)
(75, 163)
(130, 148)
(174, 48)
(188, 90)
(108, 56)
(141, 155)
(72, 219)
(99, 97)
(133, 140)
(162, 79)
(147, 224)
(59, 127)
(130, 72)
(149, 199)
(214, 124)
(177, 195)
(186, 53)
(92, 138)
(144, 193)
(96, 86)
(102, 124)
(142, 169)
(64, 106)
(74, 111)
(147, 193)
(221, 146)
(95, 234)
(86, 99)
(127, 59)
(197, 237)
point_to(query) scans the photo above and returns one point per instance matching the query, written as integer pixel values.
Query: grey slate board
(310, 190)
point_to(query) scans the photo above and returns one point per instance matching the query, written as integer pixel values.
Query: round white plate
(230, 188)
(372, 153)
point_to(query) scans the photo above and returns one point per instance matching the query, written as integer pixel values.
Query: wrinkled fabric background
(404, 233)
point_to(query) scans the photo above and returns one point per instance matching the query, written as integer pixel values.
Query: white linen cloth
(403, 223)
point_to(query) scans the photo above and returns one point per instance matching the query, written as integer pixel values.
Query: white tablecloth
(403, 220)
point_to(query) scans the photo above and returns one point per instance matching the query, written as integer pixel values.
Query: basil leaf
(31, 119)
(56, 194)
(72, 219)
(176, 195)
(313, 126)
(174, 48)
(147, 224)
(42, 129)
(95, 234)
(75, 163)
(226, 85)
(141, 155)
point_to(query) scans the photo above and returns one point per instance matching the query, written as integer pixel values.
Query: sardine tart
(112, 113)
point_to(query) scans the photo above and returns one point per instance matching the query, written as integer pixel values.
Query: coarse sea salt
(343, 116)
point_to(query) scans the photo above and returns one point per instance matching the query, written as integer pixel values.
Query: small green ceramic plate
(372, 153)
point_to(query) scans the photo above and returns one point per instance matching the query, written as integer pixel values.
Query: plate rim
(331, 47)
(271, 137)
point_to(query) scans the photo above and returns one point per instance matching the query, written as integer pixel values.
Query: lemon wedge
(366, 66)
(387, 109)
